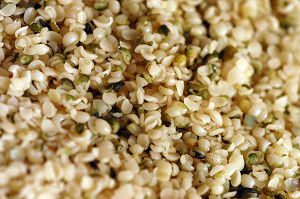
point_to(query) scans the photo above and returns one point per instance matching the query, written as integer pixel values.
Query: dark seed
(279, 196)
(79, 127)
(112, 173)
(118, 86)
(227, 53)
(89, 27)
(43, 23)
(164, 30)
(187, 36)
(199, 155)
(247, 192)
(167, 123)
(94, 164)
(115, 109)
(124, 133)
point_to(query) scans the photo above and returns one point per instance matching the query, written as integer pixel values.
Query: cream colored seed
(102, 127)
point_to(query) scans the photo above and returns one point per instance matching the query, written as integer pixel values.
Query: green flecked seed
(115, 124)
(67, 84)
(84, 78)
(100, 5)
(126, 55)
(25, 59)
(79, 127)
(164, 30)
(36, 27)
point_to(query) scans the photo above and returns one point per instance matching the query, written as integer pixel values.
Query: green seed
(84, 78)
(67, 84)
(100, 5)
(79, 127)
(204, 94)
(54, 26)
(191, 53)
(182, 151)
(126, 55)
(69, 97)
(92, 47)
(164, 30)
(26, 59)
(115, 124)
(116, 68)
(36, 27)
(179, 60)
(252, 159)
(250, 120)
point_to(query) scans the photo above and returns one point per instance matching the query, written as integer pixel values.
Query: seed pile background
(149, 99)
